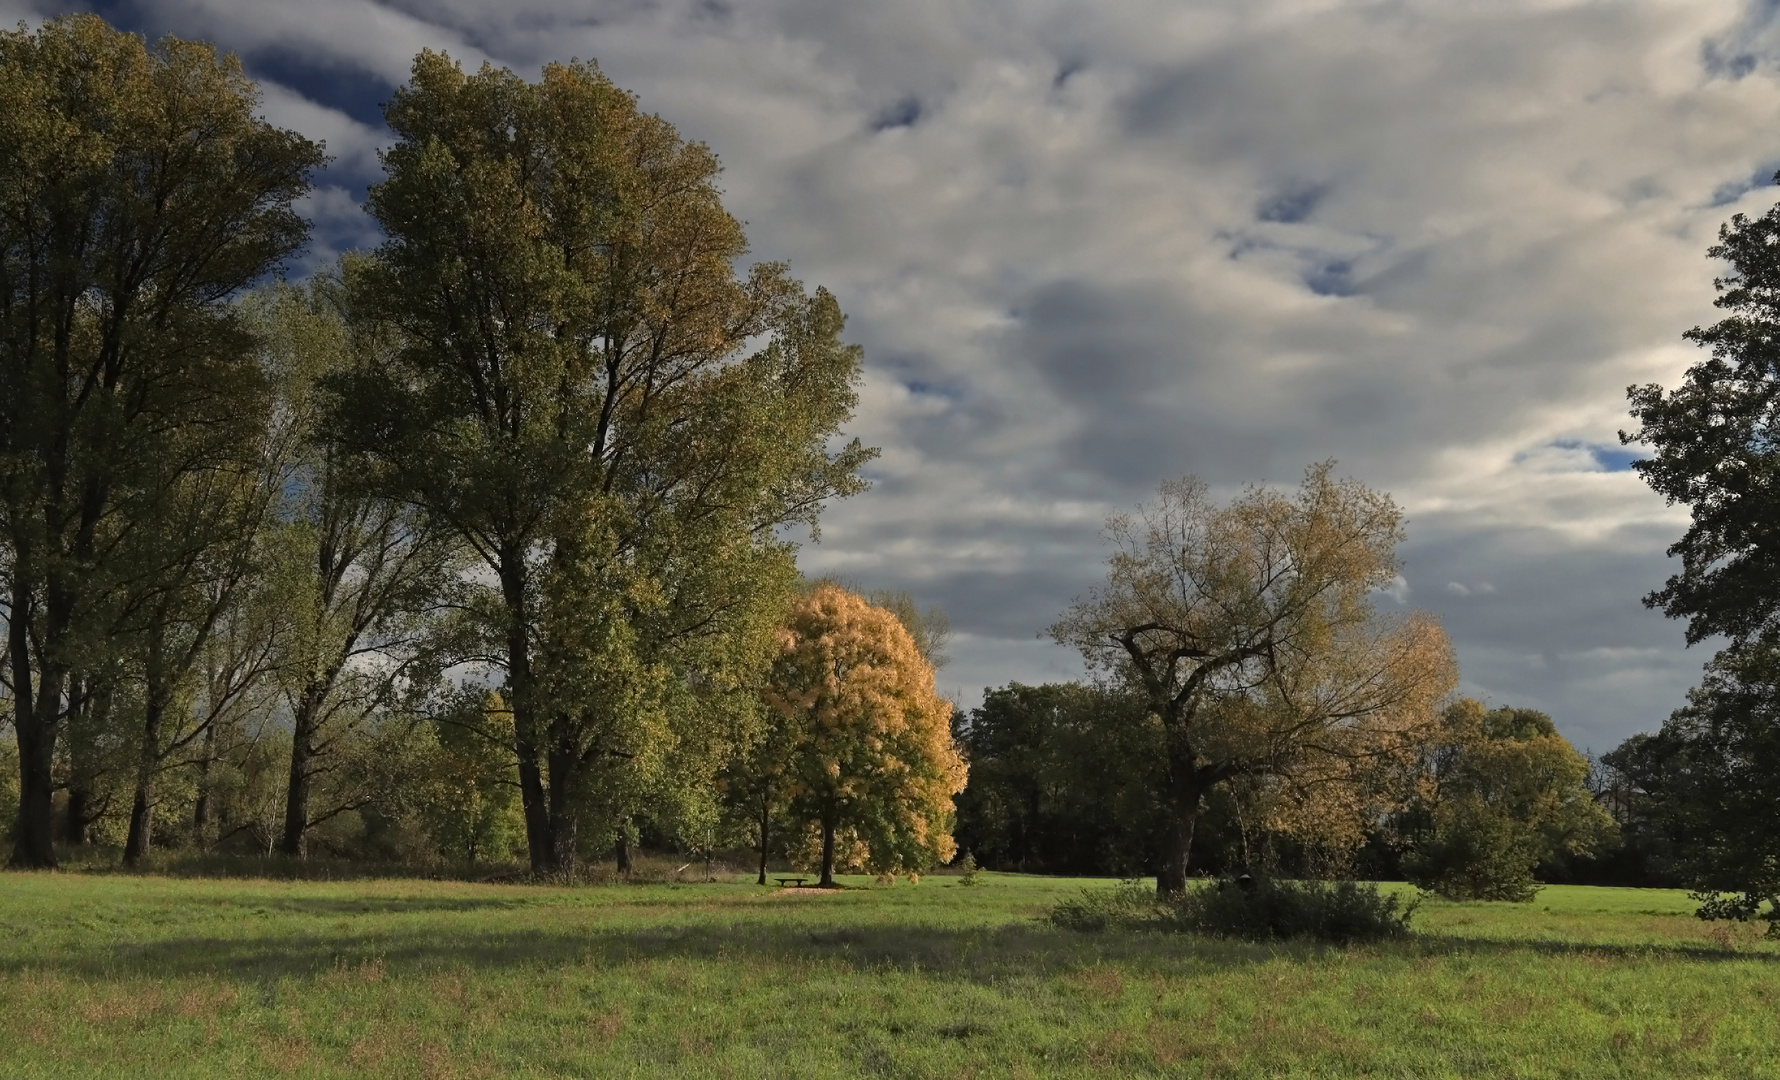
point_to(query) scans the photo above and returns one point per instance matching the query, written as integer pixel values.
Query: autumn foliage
(870, 757)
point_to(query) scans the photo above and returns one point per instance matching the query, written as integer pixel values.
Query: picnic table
(800, 879)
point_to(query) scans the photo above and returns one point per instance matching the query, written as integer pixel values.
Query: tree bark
(295, 840)
(142, 810)
(201, 805)
(621, 852)
(540, 845)
(36, 708)
(827, 880)
(765, 818)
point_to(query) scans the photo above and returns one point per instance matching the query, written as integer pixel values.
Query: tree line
(483, 535)
(478, 546)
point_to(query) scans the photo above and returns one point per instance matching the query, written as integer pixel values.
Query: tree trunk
(295, 840)
(201, 805)
(142, 810)
(77, 818)
(36, 708)
(621, 852)
(765, 818)
(539, 843)
(1171, 880)
(827, 880)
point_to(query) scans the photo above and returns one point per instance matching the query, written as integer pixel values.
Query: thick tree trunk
(36, 710)
(827, 880)
(77, 817)
(295, 839)
(1171, 880)
(538, 841)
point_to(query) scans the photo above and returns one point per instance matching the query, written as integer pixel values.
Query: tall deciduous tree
(138, 192)
(1249, 630)
(870, 741)
(1714, 451)
(573, 396)
(360, 573)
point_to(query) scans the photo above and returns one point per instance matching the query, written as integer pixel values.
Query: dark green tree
(1062, 780)
(1714, 450)
(138, 192)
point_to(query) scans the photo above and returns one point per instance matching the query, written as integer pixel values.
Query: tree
(1063, 780)
(1713, 449)
(1708, 786)
(870, 740)
(360, 573)
(1250, 632)
(571, 394)
(1501, 793)
(138, 192)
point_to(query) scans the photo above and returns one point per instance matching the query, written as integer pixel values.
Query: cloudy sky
(1090, 244)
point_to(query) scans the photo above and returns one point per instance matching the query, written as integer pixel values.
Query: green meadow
(115, 975)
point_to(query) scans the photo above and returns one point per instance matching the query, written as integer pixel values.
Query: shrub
(1477, 855)
(1341, 912)
(1131, 905)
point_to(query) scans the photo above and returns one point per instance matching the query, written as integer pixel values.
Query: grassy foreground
(129, 976)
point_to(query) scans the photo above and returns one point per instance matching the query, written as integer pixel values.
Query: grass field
(112, 975)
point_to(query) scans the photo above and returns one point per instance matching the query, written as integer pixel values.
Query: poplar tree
(138, 192)
(586, 392)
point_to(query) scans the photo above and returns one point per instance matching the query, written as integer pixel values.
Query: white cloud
(1092, 245)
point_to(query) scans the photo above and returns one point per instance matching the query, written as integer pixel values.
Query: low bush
(1256, 909)
(1131, 905)
(1340, 912)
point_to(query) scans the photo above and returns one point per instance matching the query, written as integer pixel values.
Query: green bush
(1131, 905)
(1477, 854)
(1257, 909)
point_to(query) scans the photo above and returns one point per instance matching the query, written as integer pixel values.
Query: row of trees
(1069, 779)
(502, 506)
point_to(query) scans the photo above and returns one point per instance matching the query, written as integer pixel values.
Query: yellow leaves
(872, 739)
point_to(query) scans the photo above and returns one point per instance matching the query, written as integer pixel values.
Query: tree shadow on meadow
(987, 954)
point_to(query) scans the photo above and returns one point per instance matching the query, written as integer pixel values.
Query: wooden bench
(792, 877)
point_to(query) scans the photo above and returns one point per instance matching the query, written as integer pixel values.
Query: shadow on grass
(989, 954)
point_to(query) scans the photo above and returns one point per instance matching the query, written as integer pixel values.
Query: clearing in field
(122, 975)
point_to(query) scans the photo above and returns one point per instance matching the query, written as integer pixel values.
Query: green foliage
(587, 393)
(1253, 909)
(1339, 912)
(1476, 853)
(1501, 792)
(1063, 779)
(1709, 785)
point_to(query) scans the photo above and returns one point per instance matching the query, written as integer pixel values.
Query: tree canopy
(870, 747)
(1251, 633)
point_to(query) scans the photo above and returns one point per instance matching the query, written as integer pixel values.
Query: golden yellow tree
(1249, 629)
(870, 744)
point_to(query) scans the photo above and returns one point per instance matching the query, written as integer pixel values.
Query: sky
(1089, 245)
